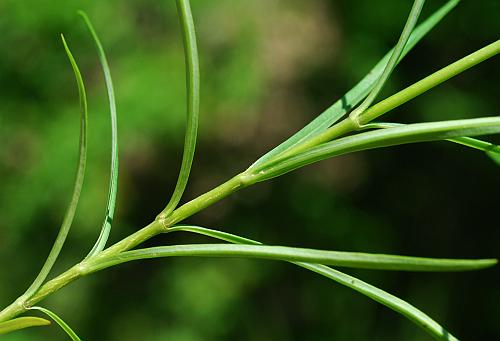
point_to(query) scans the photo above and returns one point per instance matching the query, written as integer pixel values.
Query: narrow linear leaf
(393, 60)
(410, 133)
(21, 323)
(337, 258)
(485, 146)
(357, 119)
(357, 93)
(495, 156)
(113, 181)
(393, 302)
(193, 102)
(228, 237)
(492, 150)
(64, 326)
(398, 305)
(77, 187)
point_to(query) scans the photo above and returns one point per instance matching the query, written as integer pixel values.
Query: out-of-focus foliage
(265, 67)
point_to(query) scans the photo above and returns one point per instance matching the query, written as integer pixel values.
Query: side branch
(156, 227)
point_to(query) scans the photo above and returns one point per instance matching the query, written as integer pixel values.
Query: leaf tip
(491, 262)
(485, 263)
(495, 156)
(81, 13)
(18, 323)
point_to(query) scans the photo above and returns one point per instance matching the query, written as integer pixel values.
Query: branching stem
(156, 227)
(243, 180)
(347, 125)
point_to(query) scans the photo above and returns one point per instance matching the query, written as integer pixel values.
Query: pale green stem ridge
(77, 187)
(113, 179)
(396, 54)
(193, 102)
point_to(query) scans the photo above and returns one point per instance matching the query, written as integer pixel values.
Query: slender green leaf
(21, 323)
(390, 301)
(378, 295)
(495, 156)
(193, 102)
(491, 150)
(77, 187)
(393, 60)
(358, 92)
(228, 237)
(485, 146)
(113, 181)
(393, 302)
(358, 119)
(337, 258)
(410, 133)
(64, 326)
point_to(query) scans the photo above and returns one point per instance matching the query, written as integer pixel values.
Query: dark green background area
(268, 67)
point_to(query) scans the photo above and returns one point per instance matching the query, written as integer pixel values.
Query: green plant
(321, 139)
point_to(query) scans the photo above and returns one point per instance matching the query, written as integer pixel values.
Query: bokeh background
(268, 67)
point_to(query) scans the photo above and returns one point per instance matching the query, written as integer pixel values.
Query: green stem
(382, 107)
(430, 81)
(22, 304)
(242, 180)
(343, 127)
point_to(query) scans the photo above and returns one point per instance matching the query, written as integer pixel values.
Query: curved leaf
(337, 258)
(495, 156)
(64, 326)
(409, 133)
(21, 323)
(491, 150)
(193, 102)
(228, 237)
(77, 187)
(404, 308)
(393, 60)
(357, 93)
(357, 120)
(395, 303)
(113, 181)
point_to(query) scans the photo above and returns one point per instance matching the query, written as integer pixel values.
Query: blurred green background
(268, 67)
